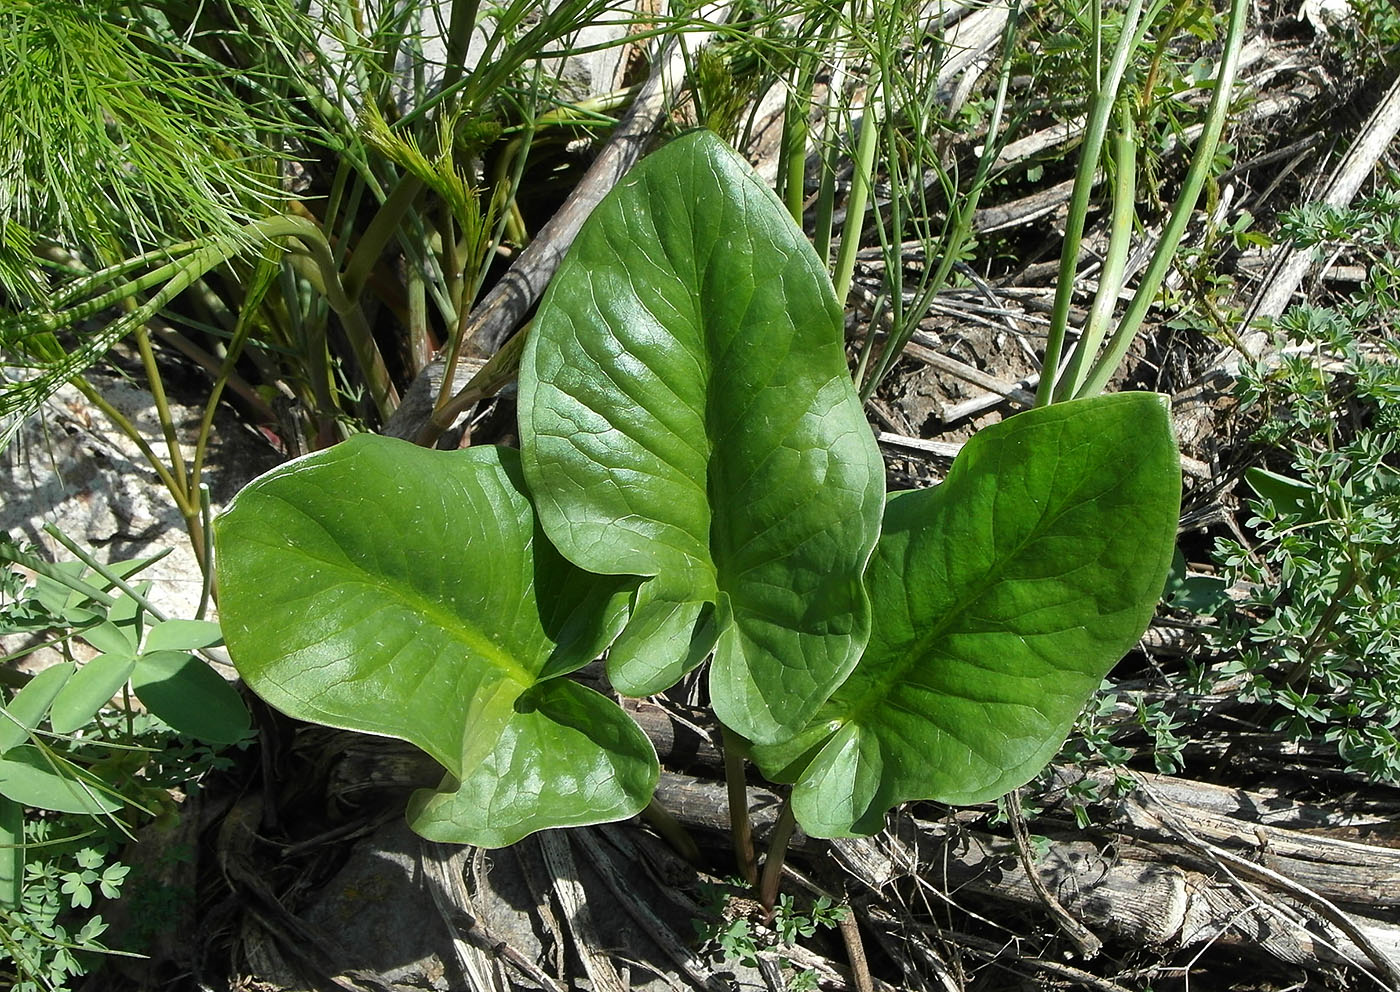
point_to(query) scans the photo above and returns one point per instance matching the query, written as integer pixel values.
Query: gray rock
(72, 468)
(381, 915)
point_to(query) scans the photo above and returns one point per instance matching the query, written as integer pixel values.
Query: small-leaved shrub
(1318, 632)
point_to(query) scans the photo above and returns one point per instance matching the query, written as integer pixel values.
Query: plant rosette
(697, 481)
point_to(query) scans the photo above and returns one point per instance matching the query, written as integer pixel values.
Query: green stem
(1115, 259)
(387, 221)
(867, 347)
(792, 160)
(859, 196)
(741, 830)
(420, 342)
(459, 36)
(107, 574)
(825, 206)
(156, 383)
(11, 854)
(672, 830)
(335, 202)
(961, 227)
(1096, 129)
(206, 585)
(1196, 175)
(260, 409)
(777, 855)
(263, 277)
(452, 262)
(1096, 32)
(198, 493)
(797, 113)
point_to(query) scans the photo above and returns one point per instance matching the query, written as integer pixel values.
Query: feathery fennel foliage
(107, 139)
(114, 144)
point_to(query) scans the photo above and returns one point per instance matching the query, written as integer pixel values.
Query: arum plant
(686, 415)
(408, 592)
(696, 482)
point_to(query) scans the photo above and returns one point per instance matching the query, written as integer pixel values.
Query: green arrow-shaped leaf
(386, 588)
(1004, 597)
(686, 414)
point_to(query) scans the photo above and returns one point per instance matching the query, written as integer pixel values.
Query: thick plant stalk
(792, 158)
(459, 36)
(797, 115)
(858, 198)
(826, 182)
(11, 854)
(777, 856)
(1115, 260)
(206, 526)
(740, 829)
(388, 220)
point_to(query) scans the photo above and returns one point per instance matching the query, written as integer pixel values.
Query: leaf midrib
(918, 649)
(444, 619)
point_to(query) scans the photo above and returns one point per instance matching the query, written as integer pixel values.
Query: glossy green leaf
(1004, 596)
(386, 588)
(508, 795)
(686, 414)
(27, 708)
(28, 778)
(91, 688)
(190, 697)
